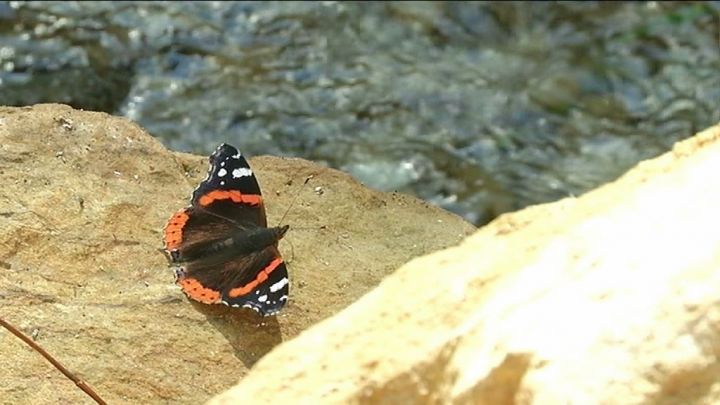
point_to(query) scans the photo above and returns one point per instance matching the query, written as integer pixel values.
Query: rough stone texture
(610, 298)
(83, 202)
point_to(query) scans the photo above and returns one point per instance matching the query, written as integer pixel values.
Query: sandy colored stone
(83, 202)
(609, 298)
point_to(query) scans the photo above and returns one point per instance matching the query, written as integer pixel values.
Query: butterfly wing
(270, 296)
(230, 189)
(227, 200)
(264, 290)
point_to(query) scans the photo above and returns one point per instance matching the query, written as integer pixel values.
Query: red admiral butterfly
(220, 246)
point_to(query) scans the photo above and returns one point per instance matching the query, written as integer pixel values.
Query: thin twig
(80, 383)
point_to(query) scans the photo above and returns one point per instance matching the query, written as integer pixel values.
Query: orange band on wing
(262, 276)
(173, 229)
(198, 292)
(233, 195)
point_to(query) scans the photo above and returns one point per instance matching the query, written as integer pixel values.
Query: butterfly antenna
(307, 179)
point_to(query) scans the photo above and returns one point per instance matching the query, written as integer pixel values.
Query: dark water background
(481, 108)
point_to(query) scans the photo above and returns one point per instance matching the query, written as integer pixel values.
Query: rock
(612, 297)
(84, 200)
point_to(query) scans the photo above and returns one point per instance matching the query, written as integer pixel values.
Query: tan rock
(610, 298)
(83, 202)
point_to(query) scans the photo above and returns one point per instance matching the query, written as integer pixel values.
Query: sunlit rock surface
(612, 297)
(83, 202)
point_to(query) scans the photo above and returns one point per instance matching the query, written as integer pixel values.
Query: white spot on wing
(241, 172)
(237, 156)
(280, 284)
(262, 298)
(222, 172)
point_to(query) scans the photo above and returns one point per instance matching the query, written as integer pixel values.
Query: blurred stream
(481, 108)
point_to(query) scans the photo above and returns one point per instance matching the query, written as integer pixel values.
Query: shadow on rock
(251, 335)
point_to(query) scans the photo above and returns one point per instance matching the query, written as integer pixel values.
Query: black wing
(265, 288)
(230, 189)
(227, 200)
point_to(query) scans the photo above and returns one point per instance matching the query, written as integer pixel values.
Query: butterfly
(221, 248)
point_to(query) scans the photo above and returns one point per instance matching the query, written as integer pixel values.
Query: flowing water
(481, 108)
